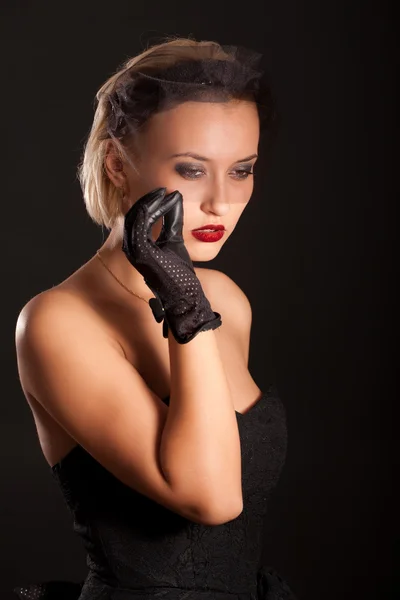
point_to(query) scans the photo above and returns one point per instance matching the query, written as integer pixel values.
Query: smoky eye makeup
(188, 168)
(192, 171)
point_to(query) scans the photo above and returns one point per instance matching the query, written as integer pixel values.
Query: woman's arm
(69, 363)
(200, 445)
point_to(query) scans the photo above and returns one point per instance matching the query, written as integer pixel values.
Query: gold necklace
(118, 280)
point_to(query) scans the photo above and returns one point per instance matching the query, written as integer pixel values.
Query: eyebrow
(205, 159)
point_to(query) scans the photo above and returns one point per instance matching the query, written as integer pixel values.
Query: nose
(216, 199)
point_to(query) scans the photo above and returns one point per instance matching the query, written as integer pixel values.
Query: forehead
(213, 129)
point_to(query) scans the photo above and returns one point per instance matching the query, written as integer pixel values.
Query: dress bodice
(137, 548)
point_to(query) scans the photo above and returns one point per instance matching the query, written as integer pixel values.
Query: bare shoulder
(57, 304)
(229, 300)
(34, 311)
(225, 292)
(52, 316)
(51, 299)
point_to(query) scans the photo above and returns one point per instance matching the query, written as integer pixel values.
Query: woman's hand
(166, 266)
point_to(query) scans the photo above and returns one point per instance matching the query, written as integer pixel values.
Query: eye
(244, 173)
(193, 173)
(187, 171)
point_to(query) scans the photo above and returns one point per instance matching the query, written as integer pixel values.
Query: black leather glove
(166, 266)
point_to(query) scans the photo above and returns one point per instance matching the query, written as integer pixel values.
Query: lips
(208, 236)
(211, 227)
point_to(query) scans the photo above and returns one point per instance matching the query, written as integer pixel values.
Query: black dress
(138, 549)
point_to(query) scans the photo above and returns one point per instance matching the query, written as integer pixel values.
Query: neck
(116, 260)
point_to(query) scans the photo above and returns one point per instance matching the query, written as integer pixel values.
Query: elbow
(220, 514)
(214, 508)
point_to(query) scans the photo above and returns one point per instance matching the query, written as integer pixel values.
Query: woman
(136, 366)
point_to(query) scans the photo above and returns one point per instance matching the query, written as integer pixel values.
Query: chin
(205, 253)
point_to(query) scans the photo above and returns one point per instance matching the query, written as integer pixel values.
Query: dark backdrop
(312, 251)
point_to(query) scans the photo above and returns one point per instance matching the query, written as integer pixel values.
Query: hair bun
(200, 73)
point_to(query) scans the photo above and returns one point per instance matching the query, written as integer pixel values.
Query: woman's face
(216, 185)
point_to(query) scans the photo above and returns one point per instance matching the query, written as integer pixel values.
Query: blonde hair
(102, 199)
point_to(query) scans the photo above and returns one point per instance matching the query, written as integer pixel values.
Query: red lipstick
(209, 233)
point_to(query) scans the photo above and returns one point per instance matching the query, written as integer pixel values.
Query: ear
(114, 165)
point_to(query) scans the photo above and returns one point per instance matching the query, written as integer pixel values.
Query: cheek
(191, 215)
(151, 174)
(156, 230)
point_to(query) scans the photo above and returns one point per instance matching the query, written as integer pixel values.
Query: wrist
(185, 330)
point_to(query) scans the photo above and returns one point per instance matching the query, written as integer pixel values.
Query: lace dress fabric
(137, 549)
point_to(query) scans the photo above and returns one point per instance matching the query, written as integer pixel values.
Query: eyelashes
(192, 173)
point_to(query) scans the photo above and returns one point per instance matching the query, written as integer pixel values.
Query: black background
(313, 252)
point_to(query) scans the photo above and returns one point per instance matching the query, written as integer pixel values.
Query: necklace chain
(118, 280)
